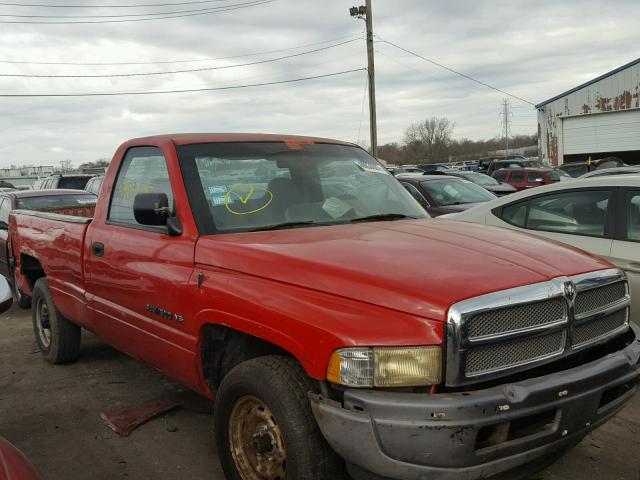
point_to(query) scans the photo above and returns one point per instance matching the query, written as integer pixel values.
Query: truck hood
(415, 266)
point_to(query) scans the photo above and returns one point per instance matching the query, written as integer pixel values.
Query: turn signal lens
(386, 367)
(352, 367)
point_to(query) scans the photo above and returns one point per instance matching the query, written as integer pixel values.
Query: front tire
(264, 426)
(57, 338)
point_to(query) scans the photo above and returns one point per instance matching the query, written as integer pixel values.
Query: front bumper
(477, 434)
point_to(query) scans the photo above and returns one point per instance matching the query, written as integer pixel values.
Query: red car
(524, 178)
(294, 280)
(70, 202)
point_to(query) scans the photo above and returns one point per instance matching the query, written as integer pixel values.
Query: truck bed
(56, 242)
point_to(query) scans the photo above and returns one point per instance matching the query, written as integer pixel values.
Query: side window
(577, 213)
(143, 170)
(515, 214)
(500, 176)
(414, 193)
(533, 177)
(517, 176)
(633, 219)
(5, 209)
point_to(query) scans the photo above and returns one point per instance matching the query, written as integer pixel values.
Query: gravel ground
(53, 415)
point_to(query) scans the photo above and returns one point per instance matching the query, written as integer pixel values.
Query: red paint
(307, 290)
(14, 465)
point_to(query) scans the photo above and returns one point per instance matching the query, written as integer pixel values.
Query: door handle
(98, 249)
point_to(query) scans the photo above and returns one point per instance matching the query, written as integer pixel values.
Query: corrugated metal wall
(616, 92)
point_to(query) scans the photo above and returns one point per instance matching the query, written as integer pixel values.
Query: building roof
(590, 82)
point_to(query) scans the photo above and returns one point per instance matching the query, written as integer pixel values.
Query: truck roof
(188, 138)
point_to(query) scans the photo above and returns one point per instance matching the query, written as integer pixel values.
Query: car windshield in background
(449, 191)
(271, 185)
(553, 175)
(52, 202)
(479, 179)
(73, 183)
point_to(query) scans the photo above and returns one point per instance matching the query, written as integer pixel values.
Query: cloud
(532, 49)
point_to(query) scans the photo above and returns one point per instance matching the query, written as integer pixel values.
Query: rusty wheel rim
(256, 441)
(43, 323)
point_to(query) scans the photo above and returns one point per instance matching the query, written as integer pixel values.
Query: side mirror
(6, 297)
(151, 208)
(4, 225)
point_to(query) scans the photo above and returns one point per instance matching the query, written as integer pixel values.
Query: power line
(468, 77)
(171, 72)
(159, 62)
(158, 92)
(135, 5)
(151, 14)
(85, 22)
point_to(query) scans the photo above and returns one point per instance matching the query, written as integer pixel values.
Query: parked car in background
(599, 215)
(485, 181)
(13, 464)
(404, 169)
(514, 163)
(70, 202)
(94, 184)
(525, 178)
(628, 170)
(5, 184)
(73, 182)
(440, 194)
(577, 169)
(433, 167)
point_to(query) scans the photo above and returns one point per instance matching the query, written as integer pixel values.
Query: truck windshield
(271, 185)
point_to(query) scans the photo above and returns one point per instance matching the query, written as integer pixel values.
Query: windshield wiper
(279, 226)
(381, 217)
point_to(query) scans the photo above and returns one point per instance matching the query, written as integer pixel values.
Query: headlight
(386, 367)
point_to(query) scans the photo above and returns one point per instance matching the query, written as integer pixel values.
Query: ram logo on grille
(501, 333)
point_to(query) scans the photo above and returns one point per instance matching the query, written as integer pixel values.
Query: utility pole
(364, 12)
(506, 123)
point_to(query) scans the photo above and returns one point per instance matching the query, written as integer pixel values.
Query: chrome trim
(458, 343)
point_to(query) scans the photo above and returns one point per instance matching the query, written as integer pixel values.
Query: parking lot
(53, 415)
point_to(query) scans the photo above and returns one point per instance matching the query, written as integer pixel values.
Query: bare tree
(429, 141)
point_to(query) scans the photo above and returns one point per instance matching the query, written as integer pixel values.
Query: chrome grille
(519, 317)
(508, 355)
(508, 331)
(599, 298)
(594, 330)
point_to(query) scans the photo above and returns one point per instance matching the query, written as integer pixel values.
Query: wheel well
(222, 348)
(31, 269)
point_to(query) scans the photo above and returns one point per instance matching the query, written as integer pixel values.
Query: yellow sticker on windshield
(245, 193)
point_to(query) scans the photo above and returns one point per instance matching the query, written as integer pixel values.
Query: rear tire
(264, 426)
(57, 338)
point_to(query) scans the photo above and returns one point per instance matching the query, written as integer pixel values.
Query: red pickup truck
(297, 283)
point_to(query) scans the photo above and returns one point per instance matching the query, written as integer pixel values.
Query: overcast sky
(533, 49)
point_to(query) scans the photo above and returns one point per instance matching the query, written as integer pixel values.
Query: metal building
(597, 119)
